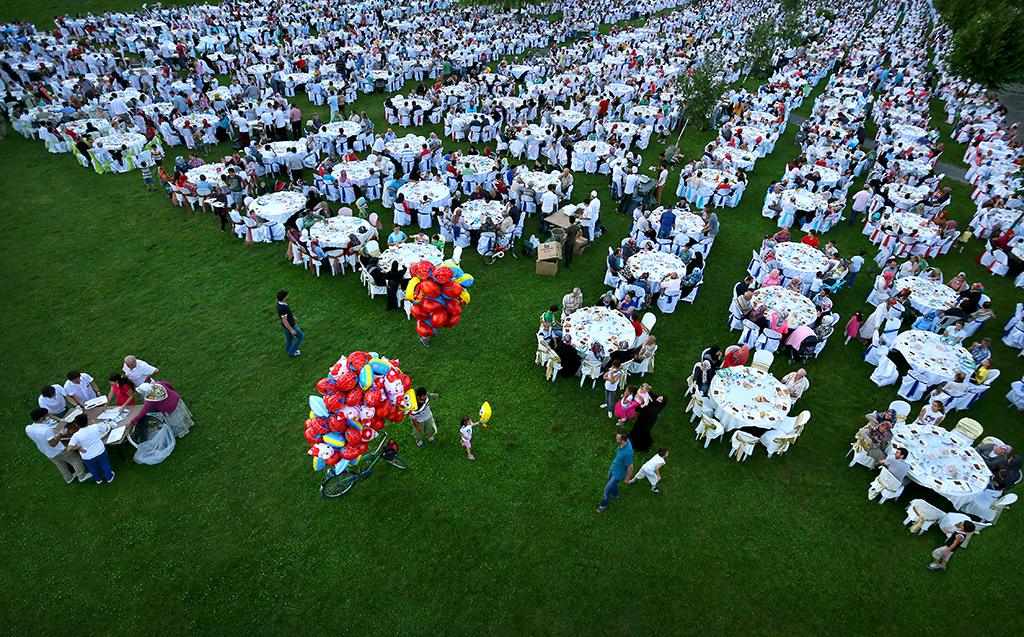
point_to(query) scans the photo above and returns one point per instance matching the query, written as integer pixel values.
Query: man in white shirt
(46, 434)
(118, 108)
(629, 183)
(267, 118)
(138, 371)
(55, 400)
(87, 440)
(856, 263)
(548, 203)
(860, 203)
(81, 386)
(592, 216)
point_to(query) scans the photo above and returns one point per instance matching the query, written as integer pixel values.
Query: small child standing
(147, 176)
(466, 429)
(854, 326)
(611, 387)
(652, 470)
(625, 408)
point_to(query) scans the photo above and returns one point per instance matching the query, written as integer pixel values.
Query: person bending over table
(46, 434)
(55, 400)
(88, 441)
(160, 396)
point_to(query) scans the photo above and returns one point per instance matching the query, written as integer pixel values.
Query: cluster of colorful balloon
(438, 295)
(360, 393)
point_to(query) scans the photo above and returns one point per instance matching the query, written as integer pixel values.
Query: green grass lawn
(228, 536)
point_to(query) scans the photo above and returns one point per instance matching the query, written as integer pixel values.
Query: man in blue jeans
(292, 334)
(621, 469)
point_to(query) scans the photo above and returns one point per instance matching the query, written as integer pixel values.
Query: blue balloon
(317, 406)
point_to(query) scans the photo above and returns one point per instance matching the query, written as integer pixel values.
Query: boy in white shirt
(652, 470)
(87, 440)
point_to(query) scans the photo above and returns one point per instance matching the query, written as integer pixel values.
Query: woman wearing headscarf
(1006, 478)
(394, 278)
(160, 396)
(690, 281)
(713, 355)
(958, 283)
(646, 417)
(880, 290)
(797, 285)
(736, 356)
(779, 322)
(773, 278)
(702, 375)
(825, 329)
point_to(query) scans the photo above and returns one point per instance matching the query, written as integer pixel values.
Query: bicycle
(338, 483)
(497, 251)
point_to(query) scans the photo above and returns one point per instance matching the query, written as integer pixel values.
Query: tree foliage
(988, 40)
(790, 28)
(701, 90)
(760, 45)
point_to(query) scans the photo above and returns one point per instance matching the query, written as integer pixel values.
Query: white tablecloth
(800, 259)
(396, 146)
(340, 129)
(212, 172)
(134, 141)
(907, 222)
(334, 232)
(436, 193)
(926, 295)
(687, 223)
(803, 200)
(606, 326)
(739, 158)
(931, 354)
(407, 254)
(775, 297)
(474, 211)
(905, 196)
(749, 397)
(277, 206)
(942, 463)
(357, 171)
(656, 265)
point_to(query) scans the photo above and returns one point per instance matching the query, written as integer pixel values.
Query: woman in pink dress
(160, 396)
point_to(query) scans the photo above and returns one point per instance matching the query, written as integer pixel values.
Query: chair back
(921, 513)
(970, 428)
(648, 321)
(902, 409)
(710, 425)
(888, 480)
(992, 375)
(763, 359)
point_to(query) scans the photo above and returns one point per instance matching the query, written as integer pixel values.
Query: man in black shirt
(570, 240)
(292, 334)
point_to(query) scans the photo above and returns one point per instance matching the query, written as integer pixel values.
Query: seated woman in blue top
(628, 305)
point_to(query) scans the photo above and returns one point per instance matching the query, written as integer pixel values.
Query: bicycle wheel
(338, 485)
(489, 258)
(397, 463)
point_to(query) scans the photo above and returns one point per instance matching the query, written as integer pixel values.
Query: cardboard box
(548, 255)
(547, 268)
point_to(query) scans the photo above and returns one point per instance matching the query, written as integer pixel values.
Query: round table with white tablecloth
(298, 79)
(80, 126)
(281, 149)
(739, 158)
(510, 102)
(197, 121)
(804, 200)
(134, 141)
(936, 357)
(259, 70)
(686, 223)
(410, 104)
(927, 296)
(474, 211)
(905, 195)
(212, 172)
(775, 297)
(622, 129)
(906, 131)
(601, 149)
(406, 254)
(477, 164)
(608, 327)
(357, 171)
(656, 265)
(336, 232)
(986, 219)
(396, 146)
(540, 180)
(907, 222)
(519, 71)
(619, 89)
(748, 397)
(566, 118)
(333, 130)
(800, 259)
(437, 194)
(278, 206)
(941, 462)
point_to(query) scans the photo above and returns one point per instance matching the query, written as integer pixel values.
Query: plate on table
(96, 402)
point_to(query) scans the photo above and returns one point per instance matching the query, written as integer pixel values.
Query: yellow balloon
(311, 414)
(465, 297)
(410, 290)
(485, 412)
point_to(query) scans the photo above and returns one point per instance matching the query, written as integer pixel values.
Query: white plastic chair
(750, 334)
(777, 441)
(590, 369)
(991, 507)
(1016, 394)
(769, 341)
(969, 428)
(709, 428)
(743, 445)
(914, 386)
(901, 408)
(885, 485)
(921, 516)
(763, 359)
(886, 372)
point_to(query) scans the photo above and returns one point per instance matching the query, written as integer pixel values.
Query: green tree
(757, 54)
(701, 90)
(987, 45)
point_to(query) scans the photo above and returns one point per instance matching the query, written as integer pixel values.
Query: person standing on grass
(856, 263)
(292, 334)
(611, 387)
(147, 176)
(87, 440)
(466, 431)
(621, 469)
(652, 470)
(942, 554)
(423, 419)
(46, 434)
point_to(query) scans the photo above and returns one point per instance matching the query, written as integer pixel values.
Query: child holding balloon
(466, 430)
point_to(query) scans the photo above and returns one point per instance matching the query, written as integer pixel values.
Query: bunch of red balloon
(438, 294)
(361, 392)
